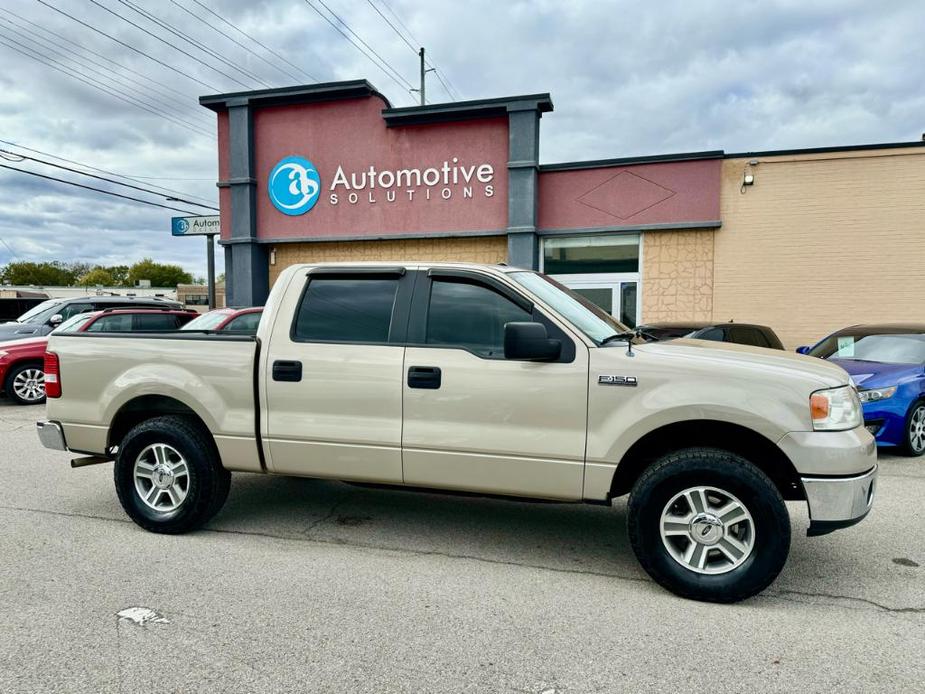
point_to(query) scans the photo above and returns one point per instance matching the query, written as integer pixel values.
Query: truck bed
(105, 374)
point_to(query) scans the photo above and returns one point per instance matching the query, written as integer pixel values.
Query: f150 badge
(617, 381)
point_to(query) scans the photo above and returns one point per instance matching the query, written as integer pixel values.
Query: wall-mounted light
(272, 256)
(748, 178)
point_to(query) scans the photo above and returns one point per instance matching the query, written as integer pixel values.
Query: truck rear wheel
(168, 475)
(708, 525)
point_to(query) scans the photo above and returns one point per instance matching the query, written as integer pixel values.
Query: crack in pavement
(780, 594)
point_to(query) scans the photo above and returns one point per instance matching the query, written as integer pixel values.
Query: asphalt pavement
(315, 586)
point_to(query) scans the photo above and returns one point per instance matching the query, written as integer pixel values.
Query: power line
(263, 46)
(22, 157)
(61, 37)
(194, 42)
(70, 72)
(111, 173)
(236, 42)
(409, 43)
(385, 67)
(98, 190)
(123, 84)
(130, 47)
(167, 43)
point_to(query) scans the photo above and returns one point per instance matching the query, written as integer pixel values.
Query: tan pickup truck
(487, 379)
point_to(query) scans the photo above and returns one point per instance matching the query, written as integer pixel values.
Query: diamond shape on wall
(625, 195)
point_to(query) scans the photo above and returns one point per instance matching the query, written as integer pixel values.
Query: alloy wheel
(29, 385)
(161, 477)
(707, 530)
(917, 430)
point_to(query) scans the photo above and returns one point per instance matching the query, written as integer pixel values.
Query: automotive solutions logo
(294, 186)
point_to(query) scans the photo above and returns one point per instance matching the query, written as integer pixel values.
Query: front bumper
(838, 502)
(51, 435)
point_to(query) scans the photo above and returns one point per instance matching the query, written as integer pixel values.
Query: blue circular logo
(294, 186)
(182, 226)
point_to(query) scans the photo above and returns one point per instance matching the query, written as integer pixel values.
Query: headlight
(835, 409)
(875, 394)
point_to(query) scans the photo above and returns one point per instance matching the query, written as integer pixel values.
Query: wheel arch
(734, 438)
(145, 407)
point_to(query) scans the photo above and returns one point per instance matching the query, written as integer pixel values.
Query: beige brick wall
(820, 242)
(472, 249)
(677, 275)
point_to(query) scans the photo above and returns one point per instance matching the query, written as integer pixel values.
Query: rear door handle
(287, 371)
(427, 377)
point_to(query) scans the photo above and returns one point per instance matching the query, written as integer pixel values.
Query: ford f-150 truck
(487, 379)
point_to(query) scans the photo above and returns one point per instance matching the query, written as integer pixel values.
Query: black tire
(709, 467)
(206, 485)
(8, 384)
(909, 446)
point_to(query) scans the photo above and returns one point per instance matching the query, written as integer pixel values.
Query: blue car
(887, 364)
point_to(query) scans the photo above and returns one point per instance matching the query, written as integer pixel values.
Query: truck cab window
(470, 316)
(346, 310)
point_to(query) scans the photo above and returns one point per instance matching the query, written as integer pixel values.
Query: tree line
(60, 274)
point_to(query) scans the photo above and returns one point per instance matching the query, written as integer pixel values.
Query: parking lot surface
(307, 585)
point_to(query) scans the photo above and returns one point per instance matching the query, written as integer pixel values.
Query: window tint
(715, 334)
(750, 336)
(118, 323)
(74, 309)
(154, 321)
(346, 310)
(471, 316)
(244, 324)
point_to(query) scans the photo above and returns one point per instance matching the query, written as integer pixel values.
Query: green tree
(98, 276)
(160, 274)
(119, 275)
(46, 274)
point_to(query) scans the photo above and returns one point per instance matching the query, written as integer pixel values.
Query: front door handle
(424, 377)
(287, 371)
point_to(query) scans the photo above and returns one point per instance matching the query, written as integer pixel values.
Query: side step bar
(89, 460)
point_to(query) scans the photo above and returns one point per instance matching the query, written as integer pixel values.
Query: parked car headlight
(835, 409)
(875, 394)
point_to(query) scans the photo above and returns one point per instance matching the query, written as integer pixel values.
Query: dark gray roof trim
(299, 94)
(825, 150)
(626, 161)
(466, 110)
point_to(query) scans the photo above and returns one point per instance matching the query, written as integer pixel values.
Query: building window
(196, 300)
(603, 268)
(583, 255)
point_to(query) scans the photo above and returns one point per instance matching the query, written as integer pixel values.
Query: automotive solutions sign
(295, 186)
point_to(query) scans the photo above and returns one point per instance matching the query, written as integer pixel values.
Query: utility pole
(424, 71)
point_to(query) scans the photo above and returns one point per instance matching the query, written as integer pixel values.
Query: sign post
(207, 226)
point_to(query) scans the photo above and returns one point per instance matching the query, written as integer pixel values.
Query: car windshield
(891, 348)
(72, 324)
(592, 320)
(207, 321)
(40, 313)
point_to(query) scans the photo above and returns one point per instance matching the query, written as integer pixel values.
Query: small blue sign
(294, 186)
(195, 226)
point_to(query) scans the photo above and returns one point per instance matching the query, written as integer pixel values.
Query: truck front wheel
(168, 475)
(708, 525)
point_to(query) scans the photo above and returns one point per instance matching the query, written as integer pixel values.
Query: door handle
(427, 377)
(287, 371)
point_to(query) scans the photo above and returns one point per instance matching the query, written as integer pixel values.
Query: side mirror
(530, 341)
(803, 349)
(56, 319)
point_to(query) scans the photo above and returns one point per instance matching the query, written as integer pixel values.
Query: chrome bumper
(51, 435)
(838, 502)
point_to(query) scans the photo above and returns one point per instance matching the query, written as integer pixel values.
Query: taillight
(52, 376)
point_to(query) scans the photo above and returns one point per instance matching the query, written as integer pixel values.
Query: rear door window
(155, 321)
(346, 309)
(243, 324)
(116, 323)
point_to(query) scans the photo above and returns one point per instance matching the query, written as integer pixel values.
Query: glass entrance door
(620, 298)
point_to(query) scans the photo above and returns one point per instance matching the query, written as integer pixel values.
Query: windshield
(207, 321)
(891, 348)
(72, 324)
(40, 313)
(584, 315)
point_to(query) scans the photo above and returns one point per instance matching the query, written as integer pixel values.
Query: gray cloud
(627, 78)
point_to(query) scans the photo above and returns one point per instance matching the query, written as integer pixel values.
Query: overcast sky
(627, 78)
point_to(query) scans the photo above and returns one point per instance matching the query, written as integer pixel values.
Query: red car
(232, 320)
(22, 361)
